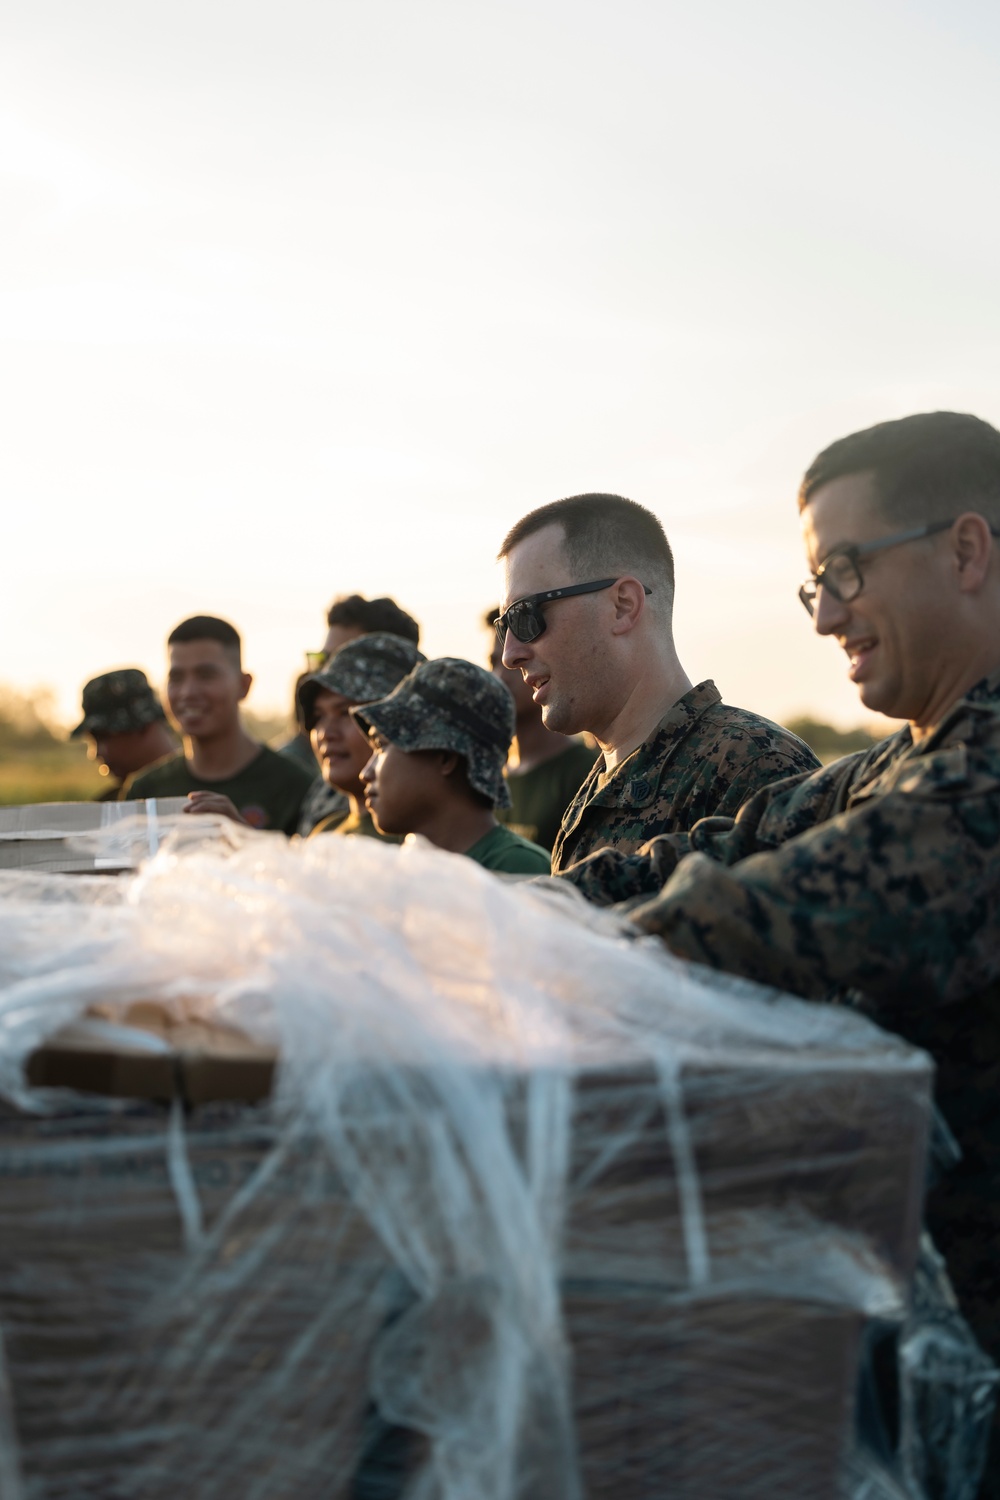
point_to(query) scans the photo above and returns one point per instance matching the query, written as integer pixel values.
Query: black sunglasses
(524, 618)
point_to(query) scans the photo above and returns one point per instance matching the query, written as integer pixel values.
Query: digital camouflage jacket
(876, 880)
(703, 758)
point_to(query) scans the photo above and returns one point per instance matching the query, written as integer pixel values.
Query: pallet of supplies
(58, 837)
(351, 1171)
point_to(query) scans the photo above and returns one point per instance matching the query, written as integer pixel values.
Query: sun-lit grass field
(39, 763)
(60, 773)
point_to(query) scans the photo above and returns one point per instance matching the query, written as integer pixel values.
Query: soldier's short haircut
(373, 616)
(605, 534)
(924, 468)
(207, 628)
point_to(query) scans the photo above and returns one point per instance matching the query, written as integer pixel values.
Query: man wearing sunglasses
(878, 877)
(589, 588)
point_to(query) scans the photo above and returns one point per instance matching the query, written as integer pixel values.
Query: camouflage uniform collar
(635, 782)
(985, 694)
(981, 702)
(941, 763)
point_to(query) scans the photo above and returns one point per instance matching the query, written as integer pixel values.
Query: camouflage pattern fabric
(323, 804)
(875, 881)
(364, 669)
(450, 704)
(118, 703)
(703, 758)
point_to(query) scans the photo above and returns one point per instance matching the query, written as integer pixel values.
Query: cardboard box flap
(192, 1061)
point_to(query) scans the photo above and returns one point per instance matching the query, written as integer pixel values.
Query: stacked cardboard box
(57, 837)
(214, 1309)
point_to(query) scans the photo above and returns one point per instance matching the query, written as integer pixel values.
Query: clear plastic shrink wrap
(534, 1210)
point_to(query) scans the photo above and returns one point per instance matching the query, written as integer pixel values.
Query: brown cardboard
(195, 1063)
(844, 1144)
(128, 1375)
(130, 1363)
(693, 1382)
(253, 1359)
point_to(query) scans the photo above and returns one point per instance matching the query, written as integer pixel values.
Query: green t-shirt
(268, 792)
(540, 796)
(507, 853)
(352, 826)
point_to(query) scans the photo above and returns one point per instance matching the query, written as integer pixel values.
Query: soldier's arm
(608, 876)
(877, 899)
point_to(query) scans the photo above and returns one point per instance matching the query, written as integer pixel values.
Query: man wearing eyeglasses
(589, 589)
(878, 877)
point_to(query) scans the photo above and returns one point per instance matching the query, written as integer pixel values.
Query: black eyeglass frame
(529, 609)
(808, 591)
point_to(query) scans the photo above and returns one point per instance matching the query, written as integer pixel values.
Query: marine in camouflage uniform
(876, 880)
(124, 719)
(588, 624)
(704, 758)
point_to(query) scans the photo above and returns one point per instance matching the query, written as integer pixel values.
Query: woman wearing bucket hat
(363, 669)
(438, 747)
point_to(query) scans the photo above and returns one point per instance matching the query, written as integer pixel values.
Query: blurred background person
(361, 671)
(545, 769)
(352, 615)
(299, 746)
(349, 617)
(221, 766)
(124, 721)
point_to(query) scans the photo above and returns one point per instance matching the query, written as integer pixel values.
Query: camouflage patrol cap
(450, 704)
(118, 703)
(363, 669)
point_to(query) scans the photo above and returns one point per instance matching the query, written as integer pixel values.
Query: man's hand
(214, 802)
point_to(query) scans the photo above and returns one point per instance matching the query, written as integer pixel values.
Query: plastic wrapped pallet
(531, 1209)
(53, 837)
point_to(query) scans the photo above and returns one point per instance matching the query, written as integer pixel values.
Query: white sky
(306, 298)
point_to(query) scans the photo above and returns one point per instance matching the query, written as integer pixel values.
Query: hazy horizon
(320, 299)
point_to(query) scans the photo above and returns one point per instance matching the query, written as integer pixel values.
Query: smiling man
(588, 622)
(220, 763)
(878, 878)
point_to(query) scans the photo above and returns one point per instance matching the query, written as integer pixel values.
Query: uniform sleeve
(898, 894)
(777, 765)
(609, 876)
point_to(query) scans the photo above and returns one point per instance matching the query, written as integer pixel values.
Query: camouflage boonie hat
(451, 705)
(118, 703)
(367, 668)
